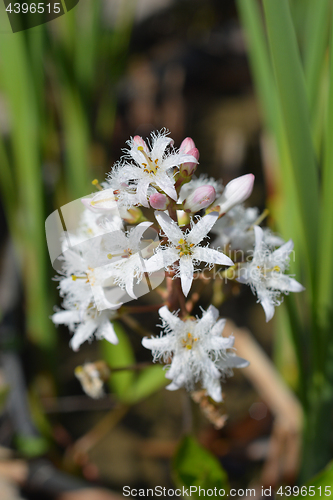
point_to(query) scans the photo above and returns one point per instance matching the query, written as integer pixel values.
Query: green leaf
(325, 262)
(4, 391)
(32, 446)
(148, 381)
(293, 101)
(319, 482)
(117, 356)
(259, 59)
(315, 42)
(194, 466)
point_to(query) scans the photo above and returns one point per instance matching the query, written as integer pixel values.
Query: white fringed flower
(80, 313)
(82, 297)
(153, 167)
(130, 265)
(235, 229)
(264, 273)
(85, 321)
(197, 350)
(185, 249)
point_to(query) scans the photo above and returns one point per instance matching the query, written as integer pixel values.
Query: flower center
(263, 270)
(184, 247)
(88, 276)
(189, 341)
(150, 167)
(127, 253)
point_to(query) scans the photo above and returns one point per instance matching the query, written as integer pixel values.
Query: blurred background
(72, 91)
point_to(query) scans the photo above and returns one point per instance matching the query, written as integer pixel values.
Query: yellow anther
(149, 167)
(188, 346)
(181, 254)
(181, 241)
(74, 277)
(276, 268)
(189, 335)
(192, 245)
(97, 184)
(109, 255)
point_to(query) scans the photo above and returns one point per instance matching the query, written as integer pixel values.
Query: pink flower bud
(202, 197)
(187, 145)
(188, 169)
(159, 201)
(235, 192)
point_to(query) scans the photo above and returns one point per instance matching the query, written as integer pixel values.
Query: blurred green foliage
(290, 48)
(54, 79)
(195, 466)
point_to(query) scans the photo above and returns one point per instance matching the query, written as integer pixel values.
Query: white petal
(161, 259)
(281, 254)
(259, 235)
(233, 361)
(284, 283)
(208, 319)
(211, 256)
(159, 344)
(129, 287)
(160, 144)
(83, 332)
(268, 306)
(102, 302)
(218, 327)
(186, 273)
(202, 228)
(136, 235)
(215, 343)
(169, 227)
(170, 318)
(244, 274)
(141, 191)
(106, 331)
(214, 390)
(173, 387)
(137, 156)
(65, 317)
(103, 200)
(167, 185)
(178, 159)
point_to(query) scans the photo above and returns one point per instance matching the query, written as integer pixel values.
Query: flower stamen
(189, 341)
(149, 167)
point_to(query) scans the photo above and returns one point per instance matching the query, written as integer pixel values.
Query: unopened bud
(202, 197)
(159, 201)
(187, 145)
(188, 169)
(235, 192)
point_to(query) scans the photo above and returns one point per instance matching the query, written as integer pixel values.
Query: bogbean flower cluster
(189, 211)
